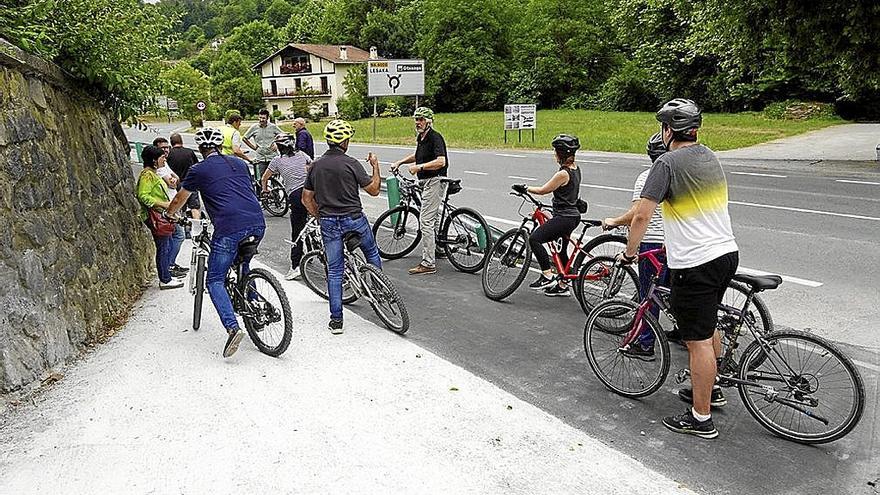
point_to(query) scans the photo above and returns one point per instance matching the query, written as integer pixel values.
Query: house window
(325, 88)
(296, 64)
(274, 108)
(274, 90)
(325, 109)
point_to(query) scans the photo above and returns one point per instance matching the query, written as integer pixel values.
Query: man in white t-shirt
(700, 247)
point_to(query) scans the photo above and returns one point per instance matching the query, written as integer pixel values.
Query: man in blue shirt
(226, 190)
(304, 140)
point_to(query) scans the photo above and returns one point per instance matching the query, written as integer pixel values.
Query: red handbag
(159, 225)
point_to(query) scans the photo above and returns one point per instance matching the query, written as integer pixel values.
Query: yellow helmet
(337, 131)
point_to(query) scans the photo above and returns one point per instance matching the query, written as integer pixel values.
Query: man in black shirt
(430, 164)
(180, 159)
(331, 193)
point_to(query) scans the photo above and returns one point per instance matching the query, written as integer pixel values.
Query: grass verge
(597, 130)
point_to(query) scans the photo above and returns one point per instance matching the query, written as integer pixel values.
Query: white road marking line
(591, 161)
(475, 173)
(787, 278)
(473, 188)
(759, 175)
(610, 188)
(462, 151)
(510, 156)
(867, 183)
(863, 364)
(804, 210)
(516, 177)
(501, 220)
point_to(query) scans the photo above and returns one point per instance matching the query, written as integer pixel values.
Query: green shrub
(391, 110)
(798, 110)
(350, 108)
(230, 113)
(628, 90)
(276, 114)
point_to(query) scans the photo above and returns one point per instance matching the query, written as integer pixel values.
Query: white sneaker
(174, 284)
(292, 274)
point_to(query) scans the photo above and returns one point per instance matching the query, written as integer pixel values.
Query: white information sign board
(395, 78)
(518, 117)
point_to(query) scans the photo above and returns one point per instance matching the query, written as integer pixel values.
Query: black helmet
(655, 146)
(566, 144)
(680, 115)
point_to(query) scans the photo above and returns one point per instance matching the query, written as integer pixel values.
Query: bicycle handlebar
(527, 196)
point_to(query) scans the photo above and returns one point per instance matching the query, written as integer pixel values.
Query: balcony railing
(268, 93)
(296, 68)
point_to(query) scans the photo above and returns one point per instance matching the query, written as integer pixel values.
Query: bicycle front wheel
(631, 369)
(507, 264)
(594, 279)
(275, 202)
(803, 388)
(267, 316)
(605, 245)
(198, 289)
(466, 239)
(397, 232)
(385, 300)
(313, 269)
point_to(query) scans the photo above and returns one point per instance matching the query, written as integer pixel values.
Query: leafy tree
(467, 47)
(255, 40)
(229, 64)
(303, 25)
(243, 93)
(188, 86)
(278, 13)
(392, 33)
(112, 46)
(353, 105)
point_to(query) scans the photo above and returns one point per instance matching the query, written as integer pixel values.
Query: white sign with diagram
(520, 117)
(395, 78)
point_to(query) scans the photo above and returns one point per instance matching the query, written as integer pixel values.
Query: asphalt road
(818, 228)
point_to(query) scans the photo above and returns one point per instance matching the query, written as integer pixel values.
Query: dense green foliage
(729, 55)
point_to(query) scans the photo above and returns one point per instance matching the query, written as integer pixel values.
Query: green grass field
(598, 131)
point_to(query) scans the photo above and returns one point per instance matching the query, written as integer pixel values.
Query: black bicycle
(257, 296)
(275, 200)
(463, 234)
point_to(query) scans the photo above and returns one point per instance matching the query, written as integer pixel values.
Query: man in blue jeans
(225, 186)
(331, 194)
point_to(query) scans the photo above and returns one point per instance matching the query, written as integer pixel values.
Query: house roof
(327, 52)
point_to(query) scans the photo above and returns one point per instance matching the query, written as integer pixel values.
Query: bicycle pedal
(682, 376)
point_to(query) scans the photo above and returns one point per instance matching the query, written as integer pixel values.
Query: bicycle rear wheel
(313, 269)
(397, 232)
(605, 245)
(595, 277)
(507, 264)
(615, 364)
(466, 239)
(799, 379)
(385, 300)
(275, 202)
(267, 316)
(198, 290)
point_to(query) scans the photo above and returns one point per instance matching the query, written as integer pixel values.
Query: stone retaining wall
(73, 253)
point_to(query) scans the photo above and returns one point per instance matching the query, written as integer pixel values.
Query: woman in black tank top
(565, 186)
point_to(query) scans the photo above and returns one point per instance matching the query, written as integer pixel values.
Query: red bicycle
(510, 257)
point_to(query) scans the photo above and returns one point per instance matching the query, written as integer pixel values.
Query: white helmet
(209, 136)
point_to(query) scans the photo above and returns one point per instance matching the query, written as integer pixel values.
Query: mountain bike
(796, 385)
(313, 264)
(274, 201)
(510, 256)
(257, 296)
(360, 279)
(462, 234)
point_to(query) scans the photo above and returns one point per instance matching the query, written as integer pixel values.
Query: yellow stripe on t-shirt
(696, 204)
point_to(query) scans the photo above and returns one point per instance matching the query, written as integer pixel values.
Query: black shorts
(193, 203)
(696, 293)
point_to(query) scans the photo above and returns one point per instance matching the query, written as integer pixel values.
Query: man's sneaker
(422, 269)
(235, 336)
(178, 272)
(686, 423)
(635, 350)
(440, 253)
(717, 399)
(542, 283)
(173, 284)
(292, 274)
(335, 326)
(179, 268)
(557, 291)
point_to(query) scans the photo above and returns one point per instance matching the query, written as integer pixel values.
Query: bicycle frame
(411, 197)
(539, 218)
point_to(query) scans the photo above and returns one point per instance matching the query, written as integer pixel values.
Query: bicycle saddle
(591, 223)
(247, 248)
(453, 187)
(759, 283)
(352, 241)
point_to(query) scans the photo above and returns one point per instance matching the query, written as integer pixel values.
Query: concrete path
(157, 410)
(857, 142)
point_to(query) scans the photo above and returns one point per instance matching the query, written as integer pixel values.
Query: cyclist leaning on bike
(260, 138)
(331, 194)
(700, 247)
(226, 190)
(430, 164)
(565, 186)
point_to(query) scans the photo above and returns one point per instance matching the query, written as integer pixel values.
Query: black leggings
(555, 228)
(298, 217)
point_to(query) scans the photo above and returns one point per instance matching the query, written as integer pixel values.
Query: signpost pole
(519, 131)
(417, 101)
(533, 135)
(375, 116)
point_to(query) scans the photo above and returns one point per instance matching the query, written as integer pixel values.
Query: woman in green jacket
(152, 193)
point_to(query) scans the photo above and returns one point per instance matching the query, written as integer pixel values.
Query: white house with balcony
(288, 72)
